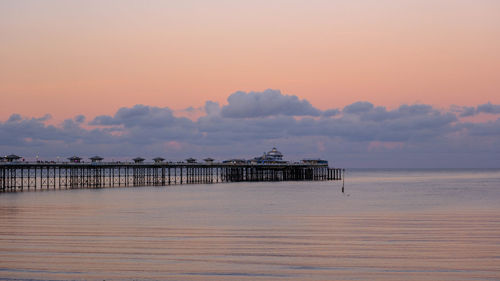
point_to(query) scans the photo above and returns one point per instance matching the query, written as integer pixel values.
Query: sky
(360, 83)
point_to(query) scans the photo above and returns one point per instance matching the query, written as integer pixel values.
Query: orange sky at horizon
(93, 57)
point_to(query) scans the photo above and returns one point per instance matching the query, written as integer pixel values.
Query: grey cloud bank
(487, 108)
(358, 135)
(266, 103)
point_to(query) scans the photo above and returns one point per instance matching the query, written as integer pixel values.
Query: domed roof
(274, 152)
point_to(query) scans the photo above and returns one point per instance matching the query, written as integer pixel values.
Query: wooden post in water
(343, 180)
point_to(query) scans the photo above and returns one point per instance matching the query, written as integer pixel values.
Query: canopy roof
(12, 157)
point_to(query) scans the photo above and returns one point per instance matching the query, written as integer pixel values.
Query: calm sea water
(389, 225)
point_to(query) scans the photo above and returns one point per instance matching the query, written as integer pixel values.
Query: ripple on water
(397, 229)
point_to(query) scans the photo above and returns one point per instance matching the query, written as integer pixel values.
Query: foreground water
(389, 225)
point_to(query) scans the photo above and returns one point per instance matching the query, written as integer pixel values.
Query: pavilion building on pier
(271, 157)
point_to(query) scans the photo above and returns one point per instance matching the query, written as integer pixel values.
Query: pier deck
(35, 176)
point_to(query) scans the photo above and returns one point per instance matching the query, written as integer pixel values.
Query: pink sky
(93, 57)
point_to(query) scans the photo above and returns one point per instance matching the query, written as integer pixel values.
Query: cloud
(80, 118)
(359, 131)
(266, 103)
(330, 112)
(14, 118)
(490, 128)
(467, 111)
(138, 115)
(212, 108)
(358, 107)
(488, 108)
(20, 131)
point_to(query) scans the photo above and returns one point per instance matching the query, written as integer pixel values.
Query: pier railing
(35, 176)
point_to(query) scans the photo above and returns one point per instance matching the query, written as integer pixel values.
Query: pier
(18, 176)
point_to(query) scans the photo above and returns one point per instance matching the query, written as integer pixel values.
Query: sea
(434, 224)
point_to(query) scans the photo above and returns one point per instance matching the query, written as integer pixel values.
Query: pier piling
(20, 176)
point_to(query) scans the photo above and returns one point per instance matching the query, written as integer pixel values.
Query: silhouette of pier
(17, 176)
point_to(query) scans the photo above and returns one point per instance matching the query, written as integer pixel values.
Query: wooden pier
(41, 176)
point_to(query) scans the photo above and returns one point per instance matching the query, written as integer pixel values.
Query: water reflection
(387, 230)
